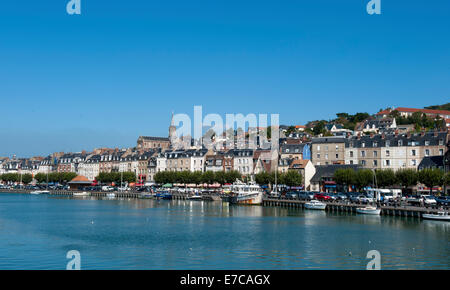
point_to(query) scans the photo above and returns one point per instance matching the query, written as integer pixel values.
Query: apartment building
(328, 150)
(394, 151)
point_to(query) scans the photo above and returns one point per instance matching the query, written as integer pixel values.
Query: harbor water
(37, 231)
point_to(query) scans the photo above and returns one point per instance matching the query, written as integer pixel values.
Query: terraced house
(328, 150)
(394, 151)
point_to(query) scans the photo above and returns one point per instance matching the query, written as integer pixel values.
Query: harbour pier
(405, 211)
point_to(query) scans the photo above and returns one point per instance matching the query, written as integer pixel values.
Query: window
(363, 162)
(326, 156)
(388, 153)
(375, 153)
(318, 147)
(413, 152)
(413, 162)
(351, 161)
(375, 163)
(363, 153)
(441, 151)
(427, 143)
(375, 144)
(363, 144)
(441, 142)
(351, 153)
(318, 155)
(388, 143)
(388, 162)
(337, 147)
(400, 142)
(326, 147)
(337, 156)
(427, 152)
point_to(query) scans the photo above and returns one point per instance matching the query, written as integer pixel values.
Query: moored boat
(369, 210)
(315, 204)
(195, 197)
(242, 193)
(440, 216)
(40, 192)
(111, 195)
(84, 193)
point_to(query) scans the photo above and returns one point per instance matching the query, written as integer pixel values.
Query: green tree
(220, 177)
(208, 177)
(385, 177)
(431, 177)
(345, 177)
(232, 176)
(293, 178)
(406, 177)
(27, 178)
(363, 178)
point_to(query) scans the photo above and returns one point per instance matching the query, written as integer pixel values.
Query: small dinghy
(315, 204)
(440, 216)
(369, 210)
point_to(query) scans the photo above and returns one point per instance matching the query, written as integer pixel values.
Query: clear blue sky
(117, 71)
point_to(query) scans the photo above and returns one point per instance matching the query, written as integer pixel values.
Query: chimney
(359, 135)
(396, 133)
(383, 136)
(371, 135)
(435, 133)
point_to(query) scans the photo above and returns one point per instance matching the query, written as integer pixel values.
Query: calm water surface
(36, 232)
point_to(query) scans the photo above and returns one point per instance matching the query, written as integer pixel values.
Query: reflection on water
(37, 231)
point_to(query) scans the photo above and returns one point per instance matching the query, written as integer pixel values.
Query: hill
(445, 107)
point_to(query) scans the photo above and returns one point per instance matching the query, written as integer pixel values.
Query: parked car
(341, 196)
(292, 195)
(322, 196)
(429, 200)
(306, 195)
(414, 199)
(443, 200)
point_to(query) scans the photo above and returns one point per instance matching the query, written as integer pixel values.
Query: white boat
(84, 193)
(195, 197)
(315, 204)
(242, 193)
(369, 210)
(40, 192)
(111, 195)
(440, 216)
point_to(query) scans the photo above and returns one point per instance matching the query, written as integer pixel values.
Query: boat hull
(247, 200)
(315, 206)
(368, 211)
(436, 217)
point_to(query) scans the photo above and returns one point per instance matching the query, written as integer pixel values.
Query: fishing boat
(242, 193)
(40, 192)
(84, 193)
(111, 195)
(369, 210)
(440, 216)
(315, 204)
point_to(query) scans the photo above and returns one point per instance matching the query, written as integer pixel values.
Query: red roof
(412, 110)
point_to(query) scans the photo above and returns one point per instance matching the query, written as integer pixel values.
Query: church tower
(172, 130)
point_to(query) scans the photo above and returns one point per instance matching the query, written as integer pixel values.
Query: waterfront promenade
(333, 206)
